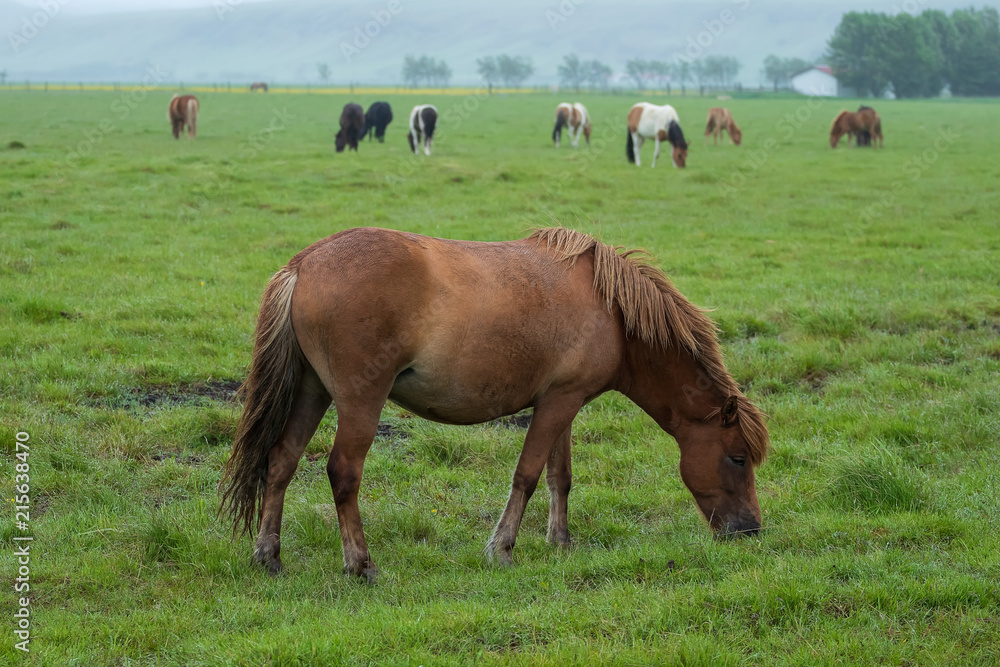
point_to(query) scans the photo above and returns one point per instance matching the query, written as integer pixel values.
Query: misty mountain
(282, 42)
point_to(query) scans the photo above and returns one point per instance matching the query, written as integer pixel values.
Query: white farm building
(817, 81)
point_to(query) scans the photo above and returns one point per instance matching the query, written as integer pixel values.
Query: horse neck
(669, 385)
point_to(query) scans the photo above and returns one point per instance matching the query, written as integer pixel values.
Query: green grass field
(858, 295)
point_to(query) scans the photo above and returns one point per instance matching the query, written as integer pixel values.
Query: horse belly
(460, 378)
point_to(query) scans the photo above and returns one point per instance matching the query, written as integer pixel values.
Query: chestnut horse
(648, 121)
(183, 110)
(575, 118)
(864, 122)
(462, 333)
(720, 119)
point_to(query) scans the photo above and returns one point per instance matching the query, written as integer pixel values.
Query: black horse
(378, 116)
(352, 127)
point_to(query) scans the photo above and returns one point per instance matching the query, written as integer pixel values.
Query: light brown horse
(861, 122)
(183, 110)
(720, 119)
(461, 333)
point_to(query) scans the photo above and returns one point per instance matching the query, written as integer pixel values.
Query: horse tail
(561, 119)
(878, 129)
(629, 147)
(267, 394)
(192, 116)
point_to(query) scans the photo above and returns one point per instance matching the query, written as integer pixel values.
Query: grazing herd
(645, 121)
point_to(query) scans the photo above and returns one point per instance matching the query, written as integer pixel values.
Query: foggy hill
(281, 42)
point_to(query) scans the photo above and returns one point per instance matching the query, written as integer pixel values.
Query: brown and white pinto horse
(648, 121)
(423, 120)
(183, 110)
(865, 123)
(720, 119)
(559, 319)
(575, 118)
(258, 85)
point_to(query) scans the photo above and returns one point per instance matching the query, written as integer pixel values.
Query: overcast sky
(110, 6)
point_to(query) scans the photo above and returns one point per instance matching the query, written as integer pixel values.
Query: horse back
(498, 322)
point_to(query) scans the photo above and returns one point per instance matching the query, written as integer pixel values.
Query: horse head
(717, 466)
(680, 146)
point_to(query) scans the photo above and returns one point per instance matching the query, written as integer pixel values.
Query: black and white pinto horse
(648, 121)
(423, 120)
(352, 127)
(575, 119)
(378, 116)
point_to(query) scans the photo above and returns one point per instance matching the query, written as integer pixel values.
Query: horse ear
(729, 411)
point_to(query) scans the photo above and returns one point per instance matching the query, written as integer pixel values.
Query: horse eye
(738, 460)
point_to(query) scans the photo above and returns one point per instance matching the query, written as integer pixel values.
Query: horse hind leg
(558, 475)
(356, 427)
(309, 404)
(548, 424)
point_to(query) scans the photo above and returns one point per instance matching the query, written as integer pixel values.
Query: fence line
(228, 88)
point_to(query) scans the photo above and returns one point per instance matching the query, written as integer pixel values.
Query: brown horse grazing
(720, 119)
(864, 122)
(352, 127)
(461, 333)
(258, 85)
(183, 110)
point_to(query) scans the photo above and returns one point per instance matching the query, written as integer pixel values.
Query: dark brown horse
(461, 333)
(865, 123)
(183, 110)
(352, 127)
(258, 85)
(719, 120)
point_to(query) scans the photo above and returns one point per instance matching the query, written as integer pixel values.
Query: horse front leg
(558, 474)
(309, 404)
(549, 422)
(656, 151)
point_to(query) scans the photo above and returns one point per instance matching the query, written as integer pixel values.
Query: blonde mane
(655, 312)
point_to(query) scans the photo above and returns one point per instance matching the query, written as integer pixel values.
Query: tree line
(918, 55)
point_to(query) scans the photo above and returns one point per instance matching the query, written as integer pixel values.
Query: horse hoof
(275, 568)
(367, 572)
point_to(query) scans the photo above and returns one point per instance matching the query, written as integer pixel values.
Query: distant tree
(572, 72)
(853, 52)
(514, 70)
(975, 65)
(910, 56)
(700, 74)
(596, 74)
(779, 71)
(425, 70)
(3, 77)
(661, 71)
(489, 71)
(682, 68)
(636, 69)
(324, 72)
(440, 73)
(776, 70)
(411, 71)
